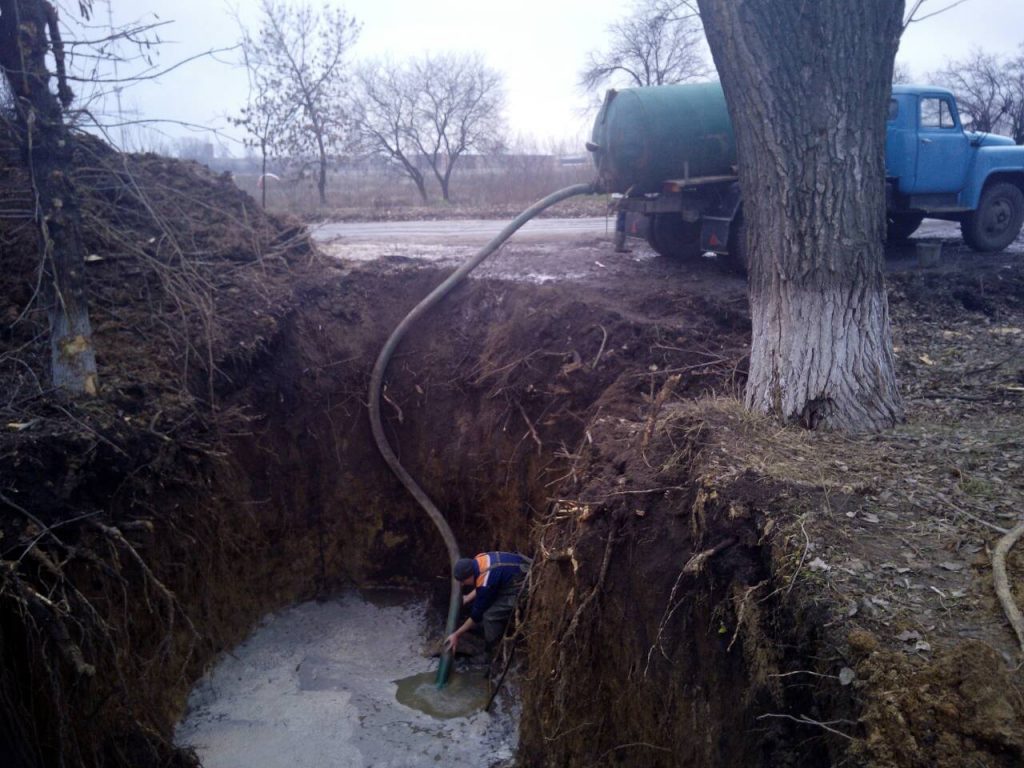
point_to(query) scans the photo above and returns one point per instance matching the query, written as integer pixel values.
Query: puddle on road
(324, 684)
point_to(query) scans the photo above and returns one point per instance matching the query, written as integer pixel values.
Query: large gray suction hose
(377, 378)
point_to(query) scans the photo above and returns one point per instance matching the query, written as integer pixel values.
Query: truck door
(942, 147)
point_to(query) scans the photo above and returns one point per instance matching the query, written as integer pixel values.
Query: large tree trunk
(47, 150)
(807, 85)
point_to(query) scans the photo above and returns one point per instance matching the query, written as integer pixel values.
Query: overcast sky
(539, 46)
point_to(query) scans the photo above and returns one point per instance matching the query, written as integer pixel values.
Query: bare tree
(1015, 85)
(260, 119)
(807, 86)
(660, 42)
(982, 84)
(901, 73)
(29, 34)
(384, 116)
(297, 59)
(459, 101)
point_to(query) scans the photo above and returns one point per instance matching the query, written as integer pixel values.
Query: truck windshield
(936, 113)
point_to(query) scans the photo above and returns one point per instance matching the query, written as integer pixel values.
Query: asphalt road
(466, 231)
(444, 240)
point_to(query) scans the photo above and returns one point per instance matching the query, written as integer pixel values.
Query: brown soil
(842, 612)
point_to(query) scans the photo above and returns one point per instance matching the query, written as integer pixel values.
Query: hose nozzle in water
(377, 379)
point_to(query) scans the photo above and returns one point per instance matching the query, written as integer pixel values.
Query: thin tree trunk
(442, 179)
(263, 174)
(321, 182)
(421, 187)
(414, 174)
(447, 177)
(47, 151)
(807, 86)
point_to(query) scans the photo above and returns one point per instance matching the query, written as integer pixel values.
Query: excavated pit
(494, 402)
(709, 590)
(491, 403)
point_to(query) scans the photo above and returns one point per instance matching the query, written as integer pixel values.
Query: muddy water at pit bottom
(316, 685)
(466, 694)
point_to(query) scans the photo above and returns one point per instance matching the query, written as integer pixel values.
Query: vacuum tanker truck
(670, 152)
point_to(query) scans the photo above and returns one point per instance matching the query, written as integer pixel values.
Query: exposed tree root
(659, 401)
(696, 563)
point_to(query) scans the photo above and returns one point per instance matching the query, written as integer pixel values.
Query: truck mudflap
(716, 223)
(637, 224)
(714, 234)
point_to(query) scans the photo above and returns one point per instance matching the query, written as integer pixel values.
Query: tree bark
(807, 85)
(47, 148)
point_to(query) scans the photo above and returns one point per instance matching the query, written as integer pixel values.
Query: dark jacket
(496, 573)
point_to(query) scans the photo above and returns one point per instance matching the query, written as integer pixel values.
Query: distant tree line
(308, 102)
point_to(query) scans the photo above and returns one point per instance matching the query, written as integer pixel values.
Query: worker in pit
(496, 579)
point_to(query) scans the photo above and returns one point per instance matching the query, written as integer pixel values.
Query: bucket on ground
(929, 254)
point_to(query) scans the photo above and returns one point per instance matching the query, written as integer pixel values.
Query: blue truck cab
(936, 169)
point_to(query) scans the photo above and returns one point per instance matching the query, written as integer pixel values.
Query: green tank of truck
(643, 136)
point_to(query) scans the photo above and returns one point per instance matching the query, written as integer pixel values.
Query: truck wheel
(670, 236)
(998, 219)
(900, 226)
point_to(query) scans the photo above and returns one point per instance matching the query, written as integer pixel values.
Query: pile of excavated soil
(111, 525)
(709, 589)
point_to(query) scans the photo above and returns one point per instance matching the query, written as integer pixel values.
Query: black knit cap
(464, 568)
